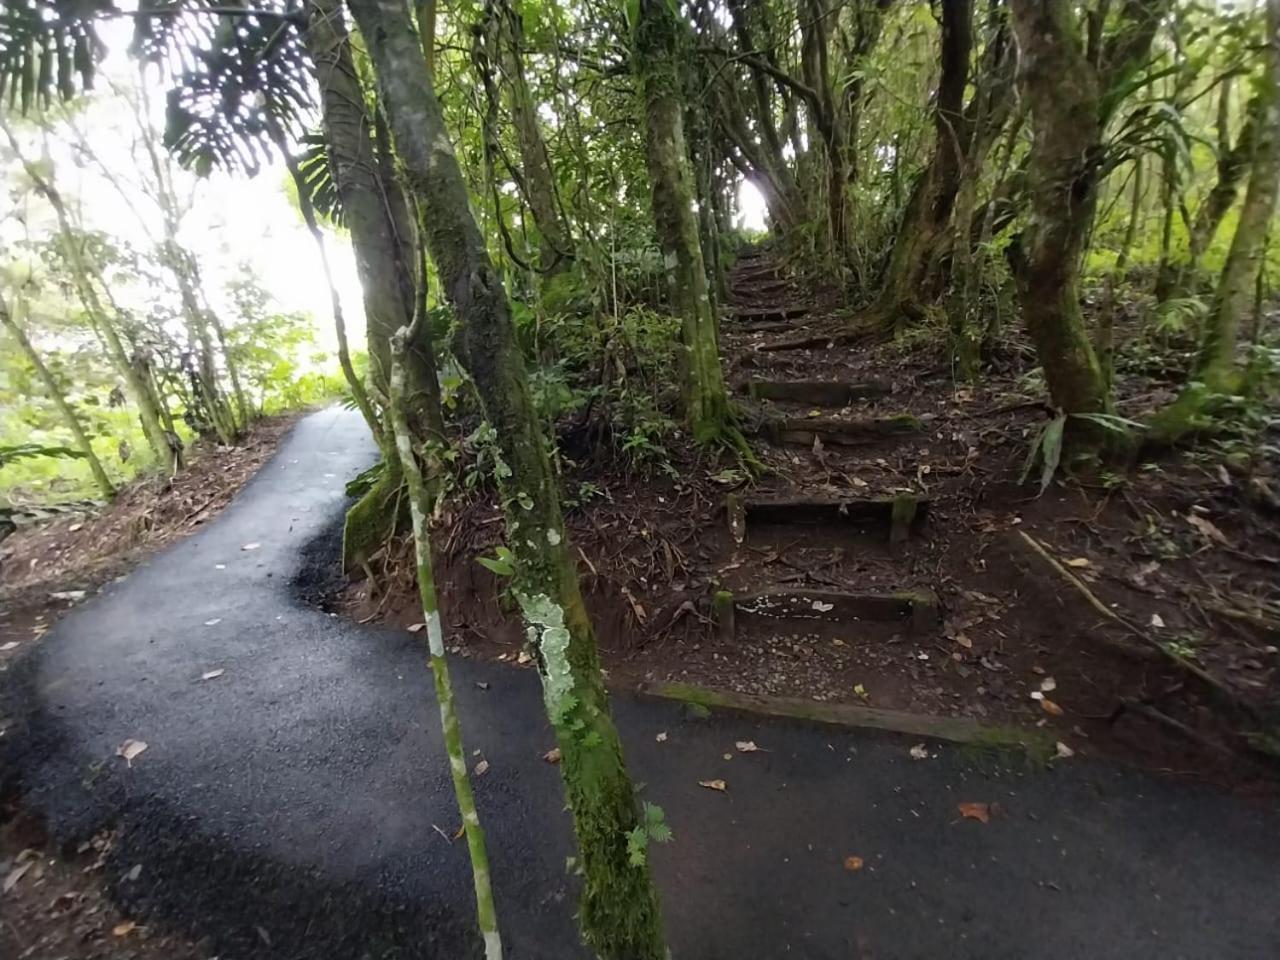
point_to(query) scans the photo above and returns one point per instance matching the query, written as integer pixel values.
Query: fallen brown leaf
(1051, 708)
(552, 755)
(719, 785)
(124, 929)
(976, 811)
(853, 864)
(747, 746)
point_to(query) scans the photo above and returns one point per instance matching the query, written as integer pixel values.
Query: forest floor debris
(55, 903)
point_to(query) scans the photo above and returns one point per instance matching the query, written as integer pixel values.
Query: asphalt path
(298, 804)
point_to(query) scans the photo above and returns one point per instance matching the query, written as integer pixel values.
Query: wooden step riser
(917, 609)
(816, 393)
(849, 433)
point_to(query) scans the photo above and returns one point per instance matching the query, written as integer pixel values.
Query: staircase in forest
(825, 554)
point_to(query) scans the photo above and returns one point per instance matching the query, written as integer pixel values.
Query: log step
(897, 514)
(767, 326)
(803, 431)
(917, 608)
(817, 393)
(769, 314)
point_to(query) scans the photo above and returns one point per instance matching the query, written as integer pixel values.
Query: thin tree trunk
(68, 413)
(619, 911)
(555, 249)
(81, 276)
(924, 224)
(420, 503)
(307, 208)
(671, 180)
(378, 232)
(186, 273)
(1106, 330)
(1215, 370)
(1233, 164)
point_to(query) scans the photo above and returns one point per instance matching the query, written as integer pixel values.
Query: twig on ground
(1199, 672)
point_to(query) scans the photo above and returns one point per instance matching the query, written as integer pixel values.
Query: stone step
(804, 430)
(918, 609)
(816, 393)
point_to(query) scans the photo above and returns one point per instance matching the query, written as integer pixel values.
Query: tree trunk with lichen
(1215, 372)
(655, 53)
(54, 390)
(420, 505)
(619, 912)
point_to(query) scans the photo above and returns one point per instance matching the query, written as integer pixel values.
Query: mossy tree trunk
(619, 910)
(1215, 371)
(924, 224)
(656, 52)
(420, 505)
(1233, 164)
(59, 398)
(1071, 97)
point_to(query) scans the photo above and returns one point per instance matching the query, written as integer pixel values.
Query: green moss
(373, 518)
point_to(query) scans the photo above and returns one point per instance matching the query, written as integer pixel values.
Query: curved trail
(285, 808)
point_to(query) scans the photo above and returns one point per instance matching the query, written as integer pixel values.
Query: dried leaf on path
(1207, 529)
(212, 674)
(130, 750)
(552, 755)
(1063, 752)
(482, 768)
(662, 737)
(415, 627)
(977, 811)
(1078, 562)
(718, 785)
(919, 752)
(16, 874)
(853, 864)
(747, 746)
(124, 929)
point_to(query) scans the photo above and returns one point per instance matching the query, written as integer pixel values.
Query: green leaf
(1051, 450)
(498, 566)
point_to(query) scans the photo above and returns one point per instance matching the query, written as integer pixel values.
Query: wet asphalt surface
(288, 808)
